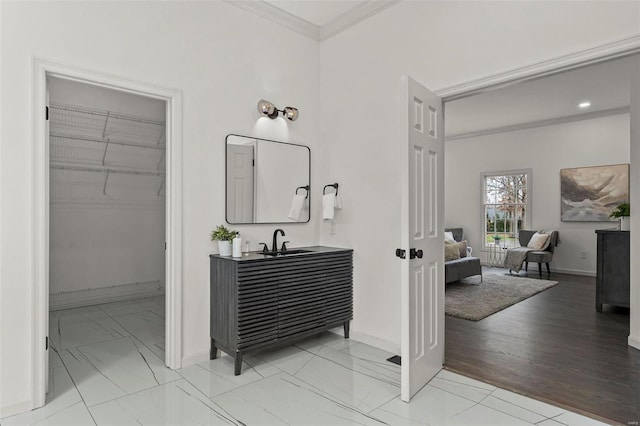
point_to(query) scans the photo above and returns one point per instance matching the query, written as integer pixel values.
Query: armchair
(532, 255)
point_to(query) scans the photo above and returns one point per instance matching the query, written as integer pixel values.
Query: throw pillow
(448, 236)
(451, 252)
(538, 241)
(462, 246)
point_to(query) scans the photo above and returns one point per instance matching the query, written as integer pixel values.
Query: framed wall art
(590, 194)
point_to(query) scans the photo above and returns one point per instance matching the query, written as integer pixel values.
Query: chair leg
(540, 269)
(548, 270)
(526, 266)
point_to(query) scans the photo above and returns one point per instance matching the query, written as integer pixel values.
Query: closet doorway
(107, 226)
(107, 152)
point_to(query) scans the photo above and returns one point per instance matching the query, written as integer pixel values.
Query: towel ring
(306, 188)
(324, 190)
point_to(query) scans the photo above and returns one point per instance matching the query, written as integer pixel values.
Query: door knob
(413, 253)
(401, 253)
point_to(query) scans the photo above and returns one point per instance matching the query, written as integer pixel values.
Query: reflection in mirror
(263, 178)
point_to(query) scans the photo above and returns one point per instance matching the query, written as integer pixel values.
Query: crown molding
(279, 17)
(605, 52)
(353, 17)
(303, 27)
(540, 123)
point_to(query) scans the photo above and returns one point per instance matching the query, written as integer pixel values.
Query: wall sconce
(270, 110)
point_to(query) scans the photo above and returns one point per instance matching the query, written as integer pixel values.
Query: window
(507, 206)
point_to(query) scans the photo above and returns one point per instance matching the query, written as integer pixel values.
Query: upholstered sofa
(457, 269)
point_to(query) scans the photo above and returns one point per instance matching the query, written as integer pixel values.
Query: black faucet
(274, 246)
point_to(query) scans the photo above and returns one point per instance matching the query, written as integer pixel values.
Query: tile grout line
(459, 396)
(210, 408)
(134, 393)
(77, 390)
(544, 418)
(359, 372)
(337, 402)
(524, 408)
(467, 384)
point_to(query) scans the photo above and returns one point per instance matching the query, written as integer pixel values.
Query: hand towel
(297, 204)
(328, 206)
(338, 202)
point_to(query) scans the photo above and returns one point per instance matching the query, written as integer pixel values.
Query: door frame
(606, 52)
(40, 210)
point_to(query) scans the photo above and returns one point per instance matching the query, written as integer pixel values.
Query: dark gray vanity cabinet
(612, 274)
(259, 301)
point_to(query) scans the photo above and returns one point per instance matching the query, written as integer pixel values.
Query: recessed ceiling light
(585, 104)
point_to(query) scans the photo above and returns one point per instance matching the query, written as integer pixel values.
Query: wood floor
(554, 347)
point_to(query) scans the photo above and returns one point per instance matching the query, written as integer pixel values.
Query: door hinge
(253, 163)
(165, 245)
(46, 113)
(46, 343)
(402, 254)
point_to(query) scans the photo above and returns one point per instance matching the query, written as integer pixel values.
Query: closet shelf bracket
(106, 121)
(161, 185)
(104, 188)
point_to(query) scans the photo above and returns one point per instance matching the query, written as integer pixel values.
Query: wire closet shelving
(95, 131)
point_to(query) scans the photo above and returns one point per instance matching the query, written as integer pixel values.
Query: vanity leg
(346, 329)
(214, 352)
(238, 364)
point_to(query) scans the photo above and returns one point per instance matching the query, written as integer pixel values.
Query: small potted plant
(223, 236)
(622, 212)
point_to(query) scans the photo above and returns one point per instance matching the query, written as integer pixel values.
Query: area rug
(474, 300)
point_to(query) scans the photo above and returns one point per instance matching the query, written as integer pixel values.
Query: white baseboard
(12, 408)
(633, 342)
(553, 270)
(195, 358)
(94, 296)
(574, 272)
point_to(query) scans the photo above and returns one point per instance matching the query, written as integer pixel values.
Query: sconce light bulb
(266, 107)
(291, 113)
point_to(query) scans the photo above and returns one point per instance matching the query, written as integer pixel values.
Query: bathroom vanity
(259, 300)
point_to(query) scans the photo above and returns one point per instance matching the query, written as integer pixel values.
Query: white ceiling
(317, 12)
(543, 101)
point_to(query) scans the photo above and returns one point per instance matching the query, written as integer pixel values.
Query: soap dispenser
(237, 246)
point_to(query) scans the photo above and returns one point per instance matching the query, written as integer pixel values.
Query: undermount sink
(285, 253)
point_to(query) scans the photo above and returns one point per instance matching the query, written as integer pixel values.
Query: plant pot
(625, 223)
(224, 248)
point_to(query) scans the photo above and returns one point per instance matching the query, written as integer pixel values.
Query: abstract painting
(590, 194)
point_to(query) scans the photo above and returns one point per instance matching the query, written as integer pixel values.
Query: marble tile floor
(106, 368)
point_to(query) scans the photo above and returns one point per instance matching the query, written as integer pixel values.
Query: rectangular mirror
(262, 178)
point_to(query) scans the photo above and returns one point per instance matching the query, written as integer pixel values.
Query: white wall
(108, 240)
(439, 43)
(103, 247)
(544, 150)
(223, 60)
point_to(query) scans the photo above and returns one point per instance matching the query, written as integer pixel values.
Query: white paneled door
(422, 276)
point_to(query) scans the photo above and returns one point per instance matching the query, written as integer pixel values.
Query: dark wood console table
(612, 276)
